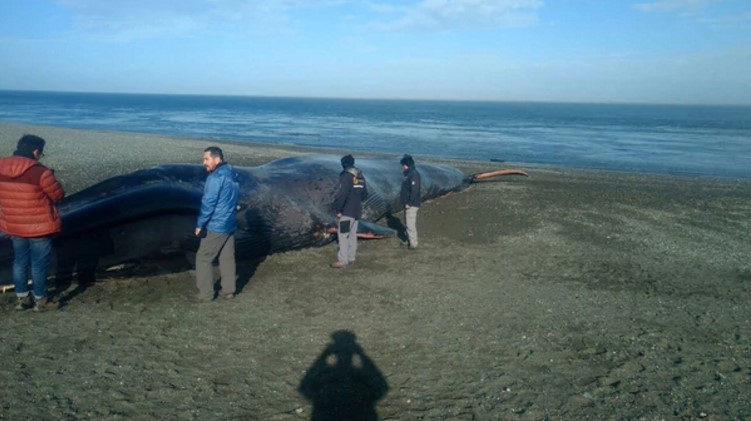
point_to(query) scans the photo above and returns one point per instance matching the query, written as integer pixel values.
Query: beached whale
(286, 204)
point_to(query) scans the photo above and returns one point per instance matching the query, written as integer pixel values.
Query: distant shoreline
(314, 98)
(70, 149)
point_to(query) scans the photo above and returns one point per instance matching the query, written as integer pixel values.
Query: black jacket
(352, 192)
(410, 193)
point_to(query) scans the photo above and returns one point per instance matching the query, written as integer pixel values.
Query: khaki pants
(215, 244)
(410, 216)
(347, 242)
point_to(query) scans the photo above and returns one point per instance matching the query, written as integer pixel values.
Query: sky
(622, 51)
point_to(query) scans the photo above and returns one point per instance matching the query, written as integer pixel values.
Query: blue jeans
(34, 253)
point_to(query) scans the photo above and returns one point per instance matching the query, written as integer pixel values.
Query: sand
(570, 294)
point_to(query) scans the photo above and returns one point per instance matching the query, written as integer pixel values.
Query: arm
(51, 187)
(414, 191)
(364, 189)
(345, 186)
(208, 202)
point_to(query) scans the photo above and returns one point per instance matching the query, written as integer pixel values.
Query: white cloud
(126, 20)
(462, 14)
(728, 21)
(672, 5)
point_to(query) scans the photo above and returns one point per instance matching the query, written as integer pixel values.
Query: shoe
(338, 265)
(228, 297)
(22, 303)
(44, 304)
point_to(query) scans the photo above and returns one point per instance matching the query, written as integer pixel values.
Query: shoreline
(273, 151)
(570, 294)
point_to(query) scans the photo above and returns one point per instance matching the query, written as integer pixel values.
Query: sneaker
(338, 265)
(44, 304)
(22, 303)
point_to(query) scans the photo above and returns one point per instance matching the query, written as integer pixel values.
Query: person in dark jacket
(216, 226)
(28, 192)
(348, 206)
(410, 198)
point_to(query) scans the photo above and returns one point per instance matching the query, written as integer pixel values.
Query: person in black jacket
(348, 206)
(410, 198)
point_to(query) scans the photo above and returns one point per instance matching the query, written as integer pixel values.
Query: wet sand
(570, 294)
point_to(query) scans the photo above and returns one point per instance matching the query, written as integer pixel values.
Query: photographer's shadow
(343, 383)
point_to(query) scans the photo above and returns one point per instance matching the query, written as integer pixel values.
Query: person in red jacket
(28, 192)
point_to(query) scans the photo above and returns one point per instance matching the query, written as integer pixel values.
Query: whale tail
(481, 176)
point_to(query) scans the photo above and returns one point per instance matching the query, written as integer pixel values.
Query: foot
(338, 265)
(22, 303)
(44, 304)
(228, 297)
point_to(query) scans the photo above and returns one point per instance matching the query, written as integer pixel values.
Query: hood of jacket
(16, 166)
(354, 171)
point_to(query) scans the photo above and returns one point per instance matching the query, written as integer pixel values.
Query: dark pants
(216, 244)
(34, 253)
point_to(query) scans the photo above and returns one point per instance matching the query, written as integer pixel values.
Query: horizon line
(512, 101)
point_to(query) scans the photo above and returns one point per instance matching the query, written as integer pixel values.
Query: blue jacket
(219, 203)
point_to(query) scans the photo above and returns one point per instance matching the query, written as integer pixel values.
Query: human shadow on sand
(343, 383)
(79, 261)
(396, 224)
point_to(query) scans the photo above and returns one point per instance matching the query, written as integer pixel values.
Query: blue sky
(646, 51)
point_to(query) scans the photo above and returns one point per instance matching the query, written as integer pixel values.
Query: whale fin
(480, 176)
(367, 229)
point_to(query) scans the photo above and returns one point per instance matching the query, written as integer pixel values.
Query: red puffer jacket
(28, 190)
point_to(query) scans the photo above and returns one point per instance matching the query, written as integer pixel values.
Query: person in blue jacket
(216, 226)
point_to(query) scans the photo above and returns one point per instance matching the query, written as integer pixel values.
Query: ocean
(695, 140)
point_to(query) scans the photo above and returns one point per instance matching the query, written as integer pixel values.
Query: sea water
(695, 140)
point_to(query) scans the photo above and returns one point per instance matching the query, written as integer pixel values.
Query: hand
(407, 206)
(339, 216)
(198, 232)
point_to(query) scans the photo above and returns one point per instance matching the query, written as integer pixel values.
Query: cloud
(673, 5)
(127, 20)
(460, 14)
(728, 21)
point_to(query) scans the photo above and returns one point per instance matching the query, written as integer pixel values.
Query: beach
(568, 294)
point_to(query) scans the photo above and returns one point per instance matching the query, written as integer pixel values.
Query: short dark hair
(348, 161)
(215, 151)
(29, 143)
(408, 161)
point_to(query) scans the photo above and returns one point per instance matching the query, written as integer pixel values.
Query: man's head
(348, 161)
(407, 162)
(212, 157)
(30, 146)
